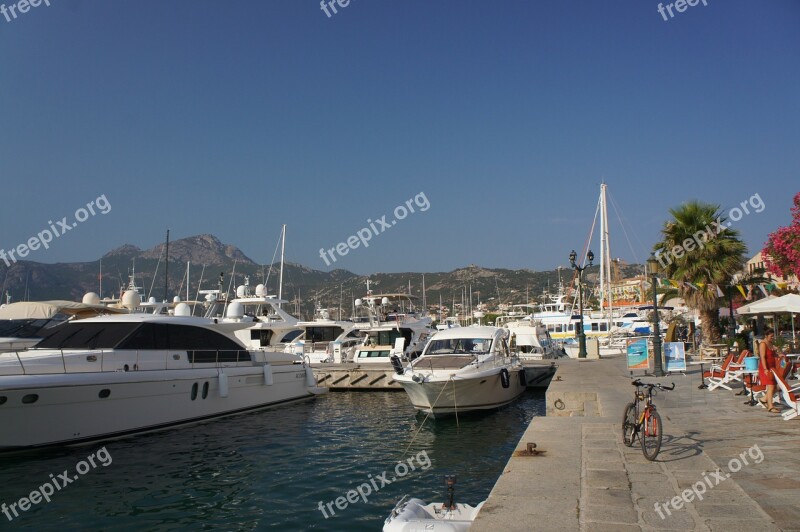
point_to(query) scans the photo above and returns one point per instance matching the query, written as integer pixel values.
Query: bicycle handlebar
(652, 385)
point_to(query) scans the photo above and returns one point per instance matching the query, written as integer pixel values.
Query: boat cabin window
(24, 328)
(459, 346)
(388, 337)
(136, 336)
(262, 335)
(180, 337)
(323, 334)
(291, 335)
(78, 335)
(373, 354)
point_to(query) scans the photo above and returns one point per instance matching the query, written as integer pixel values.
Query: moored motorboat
(463, 369)
(411, 514)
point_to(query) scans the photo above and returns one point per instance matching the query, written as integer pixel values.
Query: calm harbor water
(270, 469)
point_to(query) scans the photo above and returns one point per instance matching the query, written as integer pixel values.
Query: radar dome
(182, 309)
(358, 302)
(261, 290)
(235, 310)
(131, 300)
(385, 301)
(90, 298)
(176, 299)
(240, 291)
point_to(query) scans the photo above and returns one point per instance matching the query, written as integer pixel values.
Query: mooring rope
(426, 417)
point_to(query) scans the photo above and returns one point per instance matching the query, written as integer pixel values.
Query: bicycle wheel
(651, 434)
(629, 425)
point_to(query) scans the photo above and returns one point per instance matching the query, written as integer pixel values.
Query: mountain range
(213, 264)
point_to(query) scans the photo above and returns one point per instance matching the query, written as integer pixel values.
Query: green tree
(698, 247)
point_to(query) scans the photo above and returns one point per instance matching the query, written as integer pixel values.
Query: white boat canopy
(43, 310)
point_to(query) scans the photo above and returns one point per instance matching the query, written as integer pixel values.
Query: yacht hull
(482, 391)
(68, 408)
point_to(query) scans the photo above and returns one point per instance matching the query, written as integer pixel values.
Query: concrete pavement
(737, 465)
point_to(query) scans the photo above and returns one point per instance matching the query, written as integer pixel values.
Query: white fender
(267, 375)
(311, 381)
(223, 384)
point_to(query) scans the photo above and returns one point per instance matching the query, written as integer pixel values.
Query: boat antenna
(199, 285)
(230, 283)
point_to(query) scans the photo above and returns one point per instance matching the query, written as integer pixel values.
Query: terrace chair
(732, 372)
(789, 398)
(717, 370)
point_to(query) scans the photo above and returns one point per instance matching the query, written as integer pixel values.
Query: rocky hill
(305, 288)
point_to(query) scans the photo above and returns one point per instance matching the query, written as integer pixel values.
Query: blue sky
(233, 118)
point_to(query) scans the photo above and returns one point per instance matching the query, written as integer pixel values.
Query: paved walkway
(737, 465)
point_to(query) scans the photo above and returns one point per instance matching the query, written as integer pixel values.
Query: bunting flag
(748, 291)
(741, 290)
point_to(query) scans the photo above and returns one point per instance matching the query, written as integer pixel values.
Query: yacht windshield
(25, 328)
(459, 346)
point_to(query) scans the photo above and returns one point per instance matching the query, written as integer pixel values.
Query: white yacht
(108, 376)
(316, 341)
(269, 327)
(463, 369)
(392, 328)
(529, 338)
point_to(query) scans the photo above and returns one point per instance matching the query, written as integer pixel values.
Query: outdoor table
(750, 372)
(703, 384)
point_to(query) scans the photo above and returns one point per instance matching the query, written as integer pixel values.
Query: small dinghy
(413, 514)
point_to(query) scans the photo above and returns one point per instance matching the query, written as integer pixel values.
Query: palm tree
(699, 248)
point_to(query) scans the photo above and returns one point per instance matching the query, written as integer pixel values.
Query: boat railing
(106, 361)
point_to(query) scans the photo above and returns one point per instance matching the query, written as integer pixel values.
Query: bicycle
(646, 424)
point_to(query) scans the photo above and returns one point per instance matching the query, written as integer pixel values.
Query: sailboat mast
(283, 248)
(605, 253)
(166, 269)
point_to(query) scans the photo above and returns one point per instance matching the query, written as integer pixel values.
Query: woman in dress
(766, 363)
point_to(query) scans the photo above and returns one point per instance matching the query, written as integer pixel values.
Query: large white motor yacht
(104, 377)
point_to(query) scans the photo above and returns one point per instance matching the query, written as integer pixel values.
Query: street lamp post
(581, 334)
(658, 367)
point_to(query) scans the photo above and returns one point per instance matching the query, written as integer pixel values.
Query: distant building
(756, 264)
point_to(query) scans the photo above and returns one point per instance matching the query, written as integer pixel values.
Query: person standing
(766, 363)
